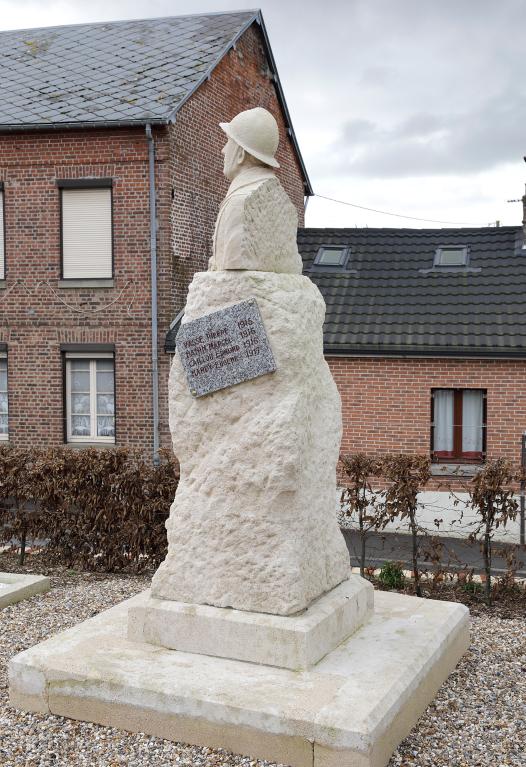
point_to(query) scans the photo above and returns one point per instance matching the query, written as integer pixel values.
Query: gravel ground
(478, 718)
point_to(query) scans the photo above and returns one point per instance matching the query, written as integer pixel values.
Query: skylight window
(332, 256)
(451, 255)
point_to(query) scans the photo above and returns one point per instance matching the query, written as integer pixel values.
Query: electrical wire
(398, 215)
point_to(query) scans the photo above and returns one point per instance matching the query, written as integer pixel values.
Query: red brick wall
(36, 315)
(387, 402)
(240, 81)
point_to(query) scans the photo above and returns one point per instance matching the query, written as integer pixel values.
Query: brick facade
(242, 80)
(387, 402)
(38, 315)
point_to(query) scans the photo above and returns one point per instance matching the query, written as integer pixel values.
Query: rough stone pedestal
(253, 523)
(296, 642)
(350, 710)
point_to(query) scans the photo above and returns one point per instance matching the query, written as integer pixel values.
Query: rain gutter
(477, 354)
(56, 126)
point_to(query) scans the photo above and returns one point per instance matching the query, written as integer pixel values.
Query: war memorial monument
(254, 636)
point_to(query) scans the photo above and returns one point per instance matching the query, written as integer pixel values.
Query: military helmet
(256, 131)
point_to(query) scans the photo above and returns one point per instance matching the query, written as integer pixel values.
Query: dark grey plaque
(224, 348)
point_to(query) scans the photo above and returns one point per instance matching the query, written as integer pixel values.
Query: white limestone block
(350, 710)
(17, 586)
(297, 642)
(252, 525)
(257, 226)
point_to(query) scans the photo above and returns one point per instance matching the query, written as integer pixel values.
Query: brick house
(110, 181)
(425, 335)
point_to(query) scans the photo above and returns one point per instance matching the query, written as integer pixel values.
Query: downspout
(153, 271)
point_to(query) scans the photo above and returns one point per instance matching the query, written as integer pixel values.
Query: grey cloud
(358, 131)
(376, 76)
(437, 144)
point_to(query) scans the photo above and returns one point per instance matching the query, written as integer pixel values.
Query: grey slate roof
(120, 72)
(390, 304)
(117, 72)
(389, 301)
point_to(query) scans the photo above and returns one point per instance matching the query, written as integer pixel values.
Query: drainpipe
(153, 271)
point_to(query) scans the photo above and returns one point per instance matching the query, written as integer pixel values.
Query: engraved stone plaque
(224, 348)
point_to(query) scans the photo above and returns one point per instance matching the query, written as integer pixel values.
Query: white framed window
(87, 236)
(90, 397)
(458, 424)
(4, 407)
(2, 234)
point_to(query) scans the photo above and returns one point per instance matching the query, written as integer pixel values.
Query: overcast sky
(415, 107)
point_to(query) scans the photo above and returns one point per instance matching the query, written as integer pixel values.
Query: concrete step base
(16, 586)
(295, 642)
(350, 710)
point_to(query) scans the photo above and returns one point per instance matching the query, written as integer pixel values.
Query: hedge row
(94, 509)
(491, 495)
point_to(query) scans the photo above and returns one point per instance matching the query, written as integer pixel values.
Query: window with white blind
(458, 428)
(4, 410)
(2, 234)
(87, 250)
(90, 398)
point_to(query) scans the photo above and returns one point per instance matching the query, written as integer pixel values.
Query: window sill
(3, 284)
(86, 283)
(455, 469)
(84, 445)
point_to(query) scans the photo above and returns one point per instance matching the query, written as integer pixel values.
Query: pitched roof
(395, 303)
(116, 72)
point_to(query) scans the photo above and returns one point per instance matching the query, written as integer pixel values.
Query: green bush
(472, 587)
(392, 576)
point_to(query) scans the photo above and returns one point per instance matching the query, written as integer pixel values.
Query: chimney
(524, 222)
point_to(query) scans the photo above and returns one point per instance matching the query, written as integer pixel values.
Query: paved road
(457, 552)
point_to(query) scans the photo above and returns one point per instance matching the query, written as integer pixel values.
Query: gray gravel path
(477, 719)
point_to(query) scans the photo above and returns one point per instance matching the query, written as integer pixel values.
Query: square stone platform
(295, 642)
(17, 586)
(350, 710)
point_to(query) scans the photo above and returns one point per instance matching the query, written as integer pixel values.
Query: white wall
(456, 521)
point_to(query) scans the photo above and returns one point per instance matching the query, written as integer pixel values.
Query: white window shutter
(86, 233)
(2, 244)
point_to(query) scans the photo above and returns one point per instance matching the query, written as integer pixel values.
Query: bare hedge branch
(94, 509)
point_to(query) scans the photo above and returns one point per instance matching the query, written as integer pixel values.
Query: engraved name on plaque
(225, 348)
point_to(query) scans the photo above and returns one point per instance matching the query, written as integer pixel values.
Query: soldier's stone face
(232, 154)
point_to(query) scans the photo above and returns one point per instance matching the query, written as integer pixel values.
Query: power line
(398, 215)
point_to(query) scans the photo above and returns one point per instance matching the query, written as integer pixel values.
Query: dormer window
(451, 255)
(332, 257)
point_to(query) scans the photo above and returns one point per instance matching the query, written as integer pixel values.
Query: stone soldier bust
(252, 526)
(257, 224)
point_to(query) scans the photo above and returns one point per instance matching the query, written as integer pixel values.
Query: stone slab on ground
(294, 642)
(351, 710)
(17, 586)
